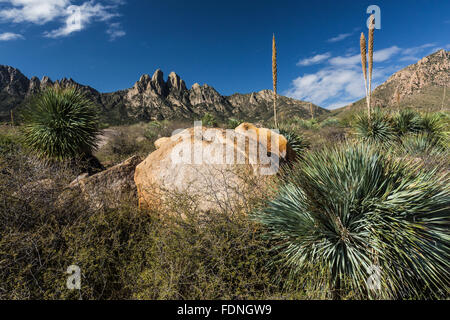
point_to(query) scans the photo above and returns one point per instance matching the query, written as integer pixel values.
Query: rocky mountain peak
(46, 81)
(433, 70)
(12, 81)
(150, 98)
(174, 83)
(145, 78)
(67, 82)
(420, 85)
(158, 76)
(253, 99)
(35, 85)
(158, 83)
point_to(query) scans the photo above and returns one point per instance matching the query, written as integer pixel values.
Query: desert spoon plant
(347, 209)
(274, 78)
(60, 124)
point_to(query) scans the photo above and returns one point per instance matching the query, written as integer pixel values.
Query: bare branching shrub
(125, 253)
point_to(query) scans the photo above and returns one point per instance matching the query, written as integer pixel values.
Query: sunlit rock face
(210, 165)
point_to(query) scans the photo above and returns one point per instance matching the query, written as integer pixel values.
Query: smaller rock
(107, 189)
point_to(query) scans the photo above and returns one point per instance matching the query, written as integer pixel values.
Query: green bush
(432, 124)
(330, 122)
(311, 124)
(233, 123)
(297, 142)
(61, 124)
(376, 130)
(407, 121)
(421, 144)
(344, 210)
(209, 120)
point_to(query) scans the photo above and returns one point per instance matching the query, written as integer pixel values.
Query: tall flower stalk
(364, 54)
(275, 79)
(371, 32)
(364, 69)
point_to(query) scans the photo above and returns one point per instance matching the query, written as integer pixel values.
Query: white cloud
(341, 81)
(35, 11)
(115, 31)
(78, 17)
(7, 36)
(334, 87)
(74, 17)
(418, 49)
(378, 56)
(328, 83)
(346, 60)
(314, 60)
(340, 37)
(385, 54)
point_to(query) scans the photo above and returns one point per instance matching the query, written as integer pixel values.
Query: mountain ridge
(154, 98)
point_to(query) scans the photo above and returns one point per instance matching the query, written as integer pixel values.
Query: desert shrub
(7, 144)
(127, 254)
(333, 135)
(330, 122)
(297, 142)
(406, 121)
(311, 124)
(376, 130)
(120, 147)
(124, 253)
(165, 128)
(233, 123)
(209, 120)
(433, 125)
(343, 210)
(421, 144)
(423, 149)
(61, 124)
(153, 130)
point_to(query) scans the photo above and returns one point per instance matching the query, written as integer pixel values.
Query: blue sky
(226, 44)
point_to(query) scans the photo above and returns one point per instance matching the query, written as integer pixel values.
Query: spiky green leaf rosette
(298, 143)
(407, 121)
(376, 130)
(61, 124)
(345, 210)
